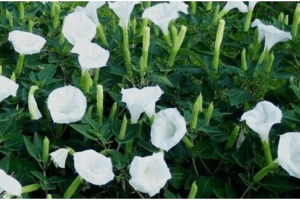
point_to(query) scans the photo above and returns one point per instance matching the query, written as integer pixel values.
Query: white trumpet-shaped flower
(91, 10)
(149, 174)
(59, 157)
(90, 54)
(251, 5)
(26, 43)
(141, 100)
(123, 10)
(67, 104)
(161, 14)
(93, 167)
(288, 153)
(181, 6)
(271, 34)
(262, 118)
(77, 26)
(168, 129)
(9, 184)
(235, 4)
(7, 88)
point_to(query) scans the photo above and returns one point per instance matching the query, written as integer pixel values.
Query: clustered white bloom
(91, 10)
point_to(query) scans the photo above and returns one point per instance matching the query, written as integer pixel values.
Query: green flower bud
(286, 20)
(243, 60)
(133, 25)
(187, 142)
(52, 11)
(194, 116)
(296, 21)
(200, 101)
(208, 113)
(232, 137)
(56, 16)
(263, 172)
(21, 10)
(146, 44)
(193, 191)
(281, 17)
(86, 81)
(45, 150)
(269, 63)
(73, 187)
(218, 42)
(123, 128)
(248, 20)
(30, 188)
(193, 6)
(10, 20)
(100, 103)
(113, 111)
(62, 38)
(30, 25)
(209, 5)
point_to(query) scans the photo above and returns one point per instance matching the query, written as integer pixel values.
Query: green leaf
(278, 184)
(291, 115)
(40, 176)
(4, 163)
(32, 150)
(237, 96)
(157, 78)
(84, 130)
(117, 159)
(178, 177)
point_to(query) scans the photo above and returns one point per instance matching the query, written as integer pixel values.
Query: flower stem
(267, 151)
(187, 142)
(30, 188)
(96, 76)
(101, 34)
(126, 51)
(248, 20)
(20, 63)
(263, 172)
(73, 187)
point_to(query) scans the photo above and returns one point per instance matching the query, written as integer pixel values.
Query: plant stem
(267, 151)
(73, 187)
(30, 188)
(126, 51)
(20, 63)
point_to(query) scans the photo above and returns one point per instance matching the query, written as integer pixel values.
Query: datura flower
(271, 34)
(161, 14)
(262, 118)
(93, 167)
(91, 55)
(288, 153)
(9, 184)
(59, 157)
(123, 10)
(149, 174)
(7, 88)
(251, 5)
(26, 43)
(67, 104)
(77, 26)
(141, 100)
(181, 6)
(91, 10)
(168, 129)
(235, 4)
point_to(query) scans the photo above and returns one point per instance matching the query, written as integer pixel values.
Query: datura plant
(149, 99)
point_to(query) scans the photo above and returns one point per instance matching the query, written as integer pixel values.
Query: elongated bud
(62, 38)
(73, 187)
(86, 81)
(56, 16)
(30, 25)
(19, 67)
(218, 42)
(187, 142)
(251, 50)
(194, 116)
(232, 137)
(281, 17)
(263, 172)
(146, 44)
(286, 20)
(208, 113)
(45, 150)
(21, 10)
(13, 77)
(90, 111)
(10, 20)
(52, 11)
(243, 60)
(200, 101)
(1, 70)
(193, 6)
(177, 43)
(133, 25)
(296, 21)
(126, 51)
(113, 111)
(123, 128)
(32, 105)
(193, 191)
(128, 148)
(100, 103)
(209, 5)
(49, 196)
(174, 34)
(30, 188)
(248, 20)
(269, 63)
(7, 14)
(262, 57)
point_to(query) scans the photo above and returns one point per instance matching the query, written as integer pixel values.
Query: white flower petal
(149, 174)
(93, 167)
(251, 5)
(91, 10)
(9, 184)
(33, 108)
(67, 104)
(161, 14)
(181, 6)
(26, 43)
(288, 153)
(78, 27)
(91, 55)
(139, 101)
(7, 88)
(236, 4)
(123, 10)
(168, 129)
(262, 118)
(59, 157)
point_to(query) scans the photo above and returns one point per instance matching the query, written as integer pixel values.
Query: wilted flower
(26, 43)
(7, 87)
(262, 118)
(9, 184)
(271, 34)
(141, 100)
(78, 27)
(32, 105)
(149, 174)
(93, 167)
(168, 129)
(91, 55)
(161, 14)
(59, 157)
(91, 10)
(123, 10)
(288, 153)
(67, 104)
(181, 6)
(235, 4)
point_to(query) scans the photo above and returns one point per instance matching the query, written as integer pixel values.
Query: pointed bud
(52, 11)
(193, 191)
(100, 103)
(243, 60)
(21, 10)
(296, 21)
(56, 16)
(208, 5)
(45, 150)
(133, 25)
(269, 63)
(232, 137)
(193, 6)
(194, 116)
(208, 113)
(200, 101)
(281, 17)
(218, 42)
(113, 111)
(286, 20)
(62, 38)
(187, 142)
(30, 25)
(123, 128)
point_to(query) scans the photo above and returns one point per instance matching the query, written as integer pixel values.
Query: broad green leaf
(31, 148)
(238, 96)
(84, 130)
